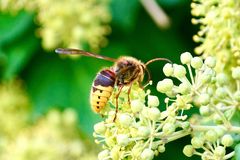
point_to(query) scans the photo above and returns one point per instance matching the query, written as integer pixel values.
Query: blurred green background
(52, 81)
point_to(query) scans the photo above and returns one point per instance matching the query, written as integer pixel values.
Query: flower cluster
(217, 97)
(68, 23)
(54, 136)
(141, 129)
(14, 108)
(219, 32)
(212, 142)
(214, 93)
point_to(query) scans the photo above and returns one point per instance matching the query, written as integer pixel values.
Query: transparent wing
(84, 53)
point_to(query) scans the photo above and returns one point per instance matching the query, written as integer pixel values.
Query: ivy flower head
(142, 130)
(139, 128)
(14, 107)
(219, 32)
(73, 24)
(54, 136)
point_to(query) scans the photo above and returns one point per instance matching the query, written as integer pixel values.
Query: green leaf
(235, 119)
(124, 13)
(13, 27)
(18, 55)
(237, 152)
(172, 3)
(17, 43)
(53, 81)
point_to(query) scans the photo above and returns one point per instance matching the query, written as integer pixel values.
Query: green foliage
(124, 13)
(17, 43)
(69, 87)
(54, 135)
(237, 150)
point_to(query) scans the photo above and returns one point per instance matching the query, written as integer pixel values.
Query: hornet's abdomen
(102, 89)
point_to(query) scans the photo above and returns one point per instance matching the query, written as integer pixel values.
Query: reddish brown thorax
(128, 69)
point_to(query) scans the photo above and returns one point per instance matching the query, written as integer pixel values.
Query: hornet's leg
(117, 96)
(129, 91)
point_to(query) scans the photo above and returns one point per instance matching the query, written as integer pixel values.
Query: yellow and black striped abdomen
(102, 89)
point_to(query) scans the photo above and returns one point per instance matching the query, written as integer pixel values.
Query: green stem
(172, 137)
(210, 146)
(191, 75)
(232, 129)
(226, 101)
(229, 155)
(198, 153)
(225, 121)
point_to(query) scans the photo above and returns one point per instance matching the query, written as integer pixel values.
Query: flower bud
(168, 128)
(210, 62)
(153, 101)
(110, 141)
(236, 73)
(196, 62)
(103, 154)
(125, 120)
(204, 110)
(210, 91)
(115, 152)
(205, 155)
(204, 99)
(164, 115)
(180, 102)
(156, 153)
(161, 148)
(219, 151)
(154, 114)
(166, 100)
(220, 131)
(179, 71)
(122, 140)
(144, 131)
(236, 96)
(197, 142)
(227, 140)
(136, 105)
(186, 58)
(147, 154)
(221, 92)
(211, 136)
(222, 79)
(171, 93)
(100, 128)
(184, 88)
(188, 150)
(168, 69)
(206, 78)
(165, 85)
